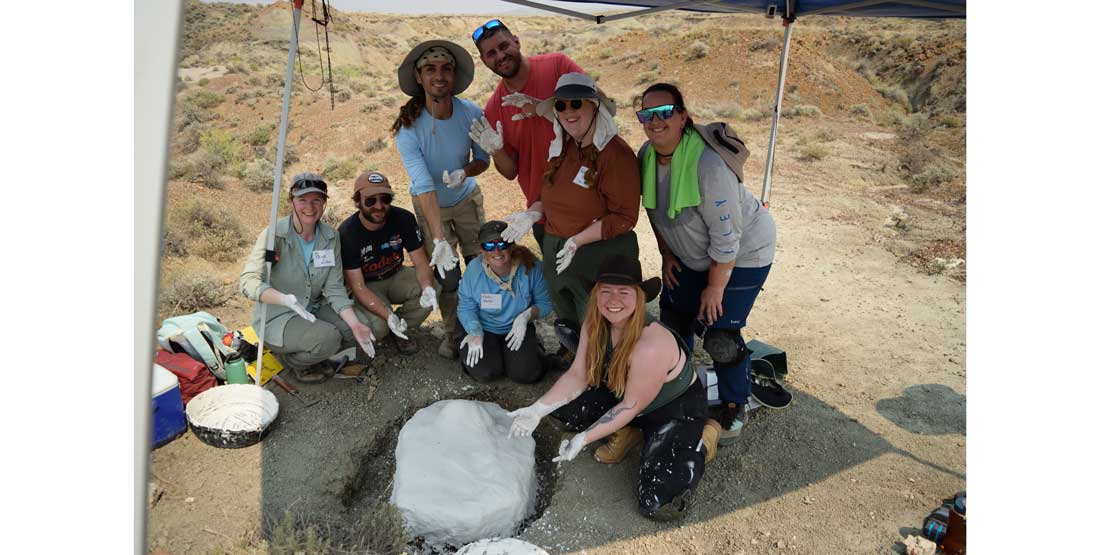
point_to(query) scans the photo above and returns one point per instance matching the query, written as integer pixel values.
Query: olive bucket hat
(464, 67)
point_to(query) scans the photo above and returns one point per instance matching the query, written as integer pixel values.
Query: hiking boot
(711, 430)
(404, 346)
(618, 445)
(733, 420)
(318, 373)
(448, 348)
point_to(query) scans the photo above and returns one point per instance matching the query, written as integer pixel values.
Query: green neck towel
(683, 175)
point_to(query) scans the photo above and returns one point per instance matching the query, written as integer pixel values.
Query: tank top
(669, 390)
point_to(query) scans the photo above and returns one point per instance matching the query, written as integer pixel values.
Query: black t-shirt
(379, 253)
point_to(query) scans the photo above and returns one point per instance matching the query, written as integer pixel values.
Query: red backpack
(194, 376)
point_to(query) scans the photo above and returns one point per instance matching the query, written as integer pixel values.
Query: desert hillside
(896, 85)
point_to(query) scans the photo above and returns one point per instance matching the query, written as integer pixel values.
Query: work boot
(448, 348)
(711, 430)
(404, 346)
(618, 445)
(318, 373)
(732, 419)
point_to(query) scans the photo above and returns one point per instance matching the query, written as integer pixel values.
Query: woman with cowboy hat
(432, 133)
(589, 196)
(501, 294)
(716, 239)
(309, 317)
(634, 382)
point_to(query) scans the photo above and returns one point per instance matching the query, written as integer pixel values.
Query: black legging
(673, 452)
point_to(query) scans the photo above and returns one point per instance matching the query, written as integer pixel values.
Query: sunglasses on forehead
(574, 104)
(491, 24)
(491, 246)
(384, 199)
(663, 112)
(307, 183)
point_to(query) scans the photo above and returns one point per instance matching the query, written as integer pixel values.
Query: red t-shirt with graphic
(528, 140)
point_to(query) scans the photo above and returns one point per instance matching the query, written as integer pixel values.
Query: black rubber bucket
(232, 416)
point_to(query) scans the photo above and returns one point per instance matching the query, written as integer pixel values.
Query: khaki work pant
(308, 343)
(461, 224)
(398, 289)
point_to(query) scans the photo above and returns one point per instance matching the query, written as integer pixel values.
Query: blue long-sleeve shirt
(477, 290)
(427, 155)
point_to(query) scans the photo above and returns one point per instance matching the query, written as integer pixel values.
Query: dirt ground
(875, 437)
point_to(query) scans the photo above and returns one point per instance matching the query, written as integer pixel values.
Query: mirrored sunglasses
(384, 199)
(491, 24)
(574, 104)
(663, 112)
(491, 246)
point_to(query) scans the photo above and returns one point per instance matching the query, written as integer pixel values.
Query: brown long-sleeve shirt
(616, 195)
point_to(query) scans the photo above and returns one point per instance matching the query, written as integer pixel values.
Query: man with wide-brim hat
(432, 133)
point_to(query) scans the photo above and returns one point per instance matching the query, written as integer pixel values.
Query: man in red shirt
(516, 137)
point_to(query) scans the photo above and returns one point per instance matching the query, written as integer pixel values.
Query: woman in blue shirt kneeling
(501, 294)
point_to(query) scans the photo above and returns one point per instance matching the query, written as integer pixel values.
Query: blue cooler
(169, 421)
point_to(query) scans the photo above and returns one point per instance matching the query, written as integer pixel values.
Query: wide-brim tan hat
(464, 67)
(574, 86)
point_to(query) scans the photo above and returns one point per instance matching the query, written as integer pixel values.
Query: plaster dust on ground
(867, 294)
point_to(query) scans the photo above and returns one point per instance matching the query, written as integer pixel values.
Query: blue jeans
(680, 306)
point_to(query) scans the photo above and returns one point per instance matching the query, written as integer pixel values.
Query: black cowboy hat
(620, 270)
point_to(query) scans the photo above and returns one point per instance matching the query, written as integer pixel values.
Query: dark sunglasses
(663, 112)
(307, 183)
(371, 201)
(491, 246)
(491, 24)
(574, 104)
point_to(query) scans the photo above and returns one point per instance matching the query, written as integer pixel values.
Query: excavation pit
(373, 481)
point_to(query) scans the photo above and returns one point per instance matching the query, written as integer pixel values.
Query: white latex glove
(397, 325)
(428, 298)
(453, 179)
(525, 103)
(519, 224)
(569, 449)
(519, 330)
(526, 419)
(443, 257)
(365, 338)
(489, 140)
(565, 254)
(474, 349)
(291, 302)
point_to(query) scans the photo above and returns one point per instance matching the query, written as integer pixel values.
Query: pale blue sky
(488, 7)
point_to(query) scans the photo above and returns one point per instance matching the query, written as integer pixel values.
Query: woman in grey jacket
(717, 243)
(309, 315)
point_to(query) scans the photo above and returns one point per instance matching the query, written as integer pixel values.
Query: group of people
(548, 126)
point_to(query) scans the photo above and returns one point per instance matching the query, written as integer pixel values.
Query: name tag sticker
(324, 258)
(579, 178)
(491, 301)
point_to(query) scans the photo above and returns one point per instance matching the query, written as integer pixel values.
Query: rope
(327, 17)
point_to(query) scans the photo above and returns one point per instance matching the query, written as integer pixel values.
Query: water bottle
(234, 369)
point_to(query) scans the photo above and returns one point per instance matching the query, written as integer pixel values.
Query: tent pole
(766, 193)
(279, 154)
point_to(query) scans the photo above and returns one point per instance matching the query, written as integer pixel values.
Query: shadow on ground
(930, 409)
(330, 462)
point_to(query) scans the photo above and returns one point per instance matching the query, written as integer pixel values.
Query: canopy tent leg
(765, 195)
(279, 154)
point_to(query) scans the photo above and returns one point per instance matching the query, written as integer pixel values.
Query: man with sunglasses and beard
(511, 131)
(373, 244)
(432, 135)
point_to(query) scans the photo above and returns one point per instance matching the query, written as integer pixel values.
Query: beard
(374, 216)
(510, 69)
